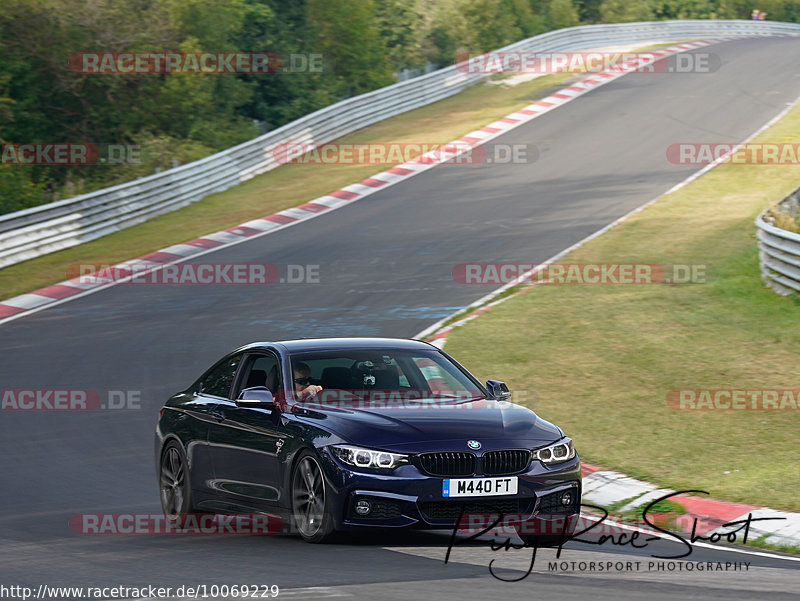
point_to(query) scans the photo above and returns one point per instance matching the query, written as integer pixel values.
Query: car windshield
(381, 375)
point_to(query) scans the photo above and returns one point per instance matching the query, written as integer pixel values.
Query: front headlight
(368, 458)
(561, 451)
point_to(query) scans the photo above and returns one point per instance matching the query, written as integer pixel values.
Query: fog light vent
(363, 507)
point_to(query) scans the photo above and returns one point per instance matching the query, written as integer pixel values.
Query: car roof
(334, 344)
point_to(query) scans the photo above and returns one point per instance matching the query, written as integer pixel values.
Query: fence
(779, 250)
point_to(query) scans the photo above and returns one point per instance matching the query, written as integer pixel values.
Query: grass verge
(663, 513)
(602, 359)
(761, 543)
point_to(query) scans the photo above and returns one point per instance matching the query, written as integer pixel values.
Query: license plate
(479, 487)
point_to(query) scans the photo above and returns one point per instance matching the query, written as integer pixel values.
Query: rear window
(219, 379)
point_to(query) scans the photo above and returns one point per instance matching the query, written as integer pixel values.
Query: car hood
(444, 426)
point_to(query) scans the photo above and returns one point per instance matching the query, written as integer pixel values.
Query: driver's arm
(309, 391)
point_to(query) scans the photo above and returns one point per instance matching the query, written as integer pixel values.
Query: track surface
(385, 268)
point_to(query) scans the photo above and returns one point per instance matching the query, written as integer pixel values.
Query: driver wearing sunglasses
(303, 387)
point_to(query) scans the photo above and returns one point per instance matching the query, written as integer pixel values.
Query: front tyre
(310, 503)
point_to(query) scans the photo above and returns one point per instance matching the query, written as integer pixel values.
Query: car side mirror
(257, 397)
(498, 390)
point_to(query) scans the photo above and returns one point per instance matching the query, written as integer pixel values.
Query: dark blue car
(353, 433)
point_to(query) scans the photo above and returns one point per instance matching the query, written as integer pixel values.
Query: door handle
(218, 415)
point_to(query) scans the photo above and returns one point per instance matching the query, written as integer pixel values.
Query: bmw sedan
(343, 434)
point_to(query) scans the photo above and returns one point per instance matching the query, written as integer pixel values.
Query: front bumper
(408, 497)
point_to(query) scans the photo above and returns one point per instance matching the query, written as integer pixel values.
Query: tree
(561, 13)
(401, 27)
(684, 9)
(625, 11)
(346, 34)
(490, 24)
(17, 191)
(589, 10)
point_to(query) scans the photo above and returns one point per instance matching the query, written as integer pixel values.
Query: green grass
(665, 509)
(286, 186)
(761, 543)
(600, 360)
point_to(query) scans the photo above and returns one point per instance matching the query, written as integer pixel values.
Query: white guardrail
(44, 229)
(779, 250)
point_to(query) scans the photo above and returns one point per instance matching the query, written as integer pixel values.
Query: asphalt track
(385, 267)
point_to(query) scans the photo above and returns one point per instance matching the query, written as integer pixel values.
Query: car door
(247, 441)
(212, 388)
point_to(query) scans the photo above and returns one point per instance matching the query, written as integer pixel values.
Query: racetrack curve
(385, 265)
